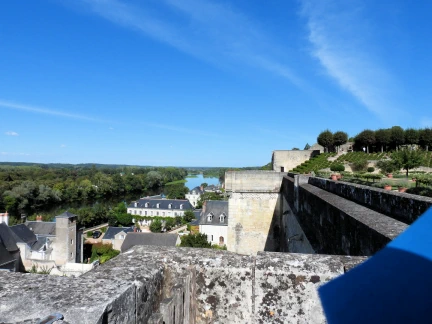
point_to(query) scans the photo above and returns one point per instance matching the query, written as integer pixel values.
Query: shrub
(337, 168)
(370, 169)
(90, 234)
(386, 166)
(360, 165)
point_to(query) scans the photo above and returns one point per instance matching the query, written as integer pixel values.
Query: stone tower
(65, 242)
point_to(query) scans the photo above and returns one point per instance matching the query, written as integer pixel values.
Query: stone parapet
(149, 284)
(401, 206)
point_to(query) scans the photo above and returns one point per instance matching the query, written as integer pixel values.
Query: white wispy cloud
(63, 145)
(44, 111)
(342, 41)
(210, 31)
(12, 133)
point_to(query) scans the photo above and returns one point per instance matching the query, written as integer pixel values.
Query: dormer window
(181, 206)
(210, 217)
(146, 204)
(157, 205)
(222, 218)
(169, 206)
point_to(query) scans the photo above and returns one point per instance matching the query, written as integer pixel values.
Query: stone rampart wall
(255, 181)
(288, 160)
(332, 224)
(149, 284)
(401, 206)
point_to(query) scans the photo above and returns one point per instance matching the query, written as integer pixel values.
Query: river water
(195, 181)
(191, 182)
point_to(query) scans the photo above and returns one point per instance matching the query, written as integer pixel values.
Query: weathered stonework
(284, 161)
(178, 285)
(401, 206)
(254, 209)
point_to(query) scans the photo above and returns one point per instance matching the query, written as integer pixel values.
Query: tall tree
(383, 138)
(340, 138)
(307, 147)
(366, 138)
(325, 139)
(397, 136)
(411, 136)
(425, 138)
(407, 159)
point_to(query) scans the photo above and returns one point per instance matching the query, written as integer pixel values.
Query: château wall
(254, 211)
(288, 160)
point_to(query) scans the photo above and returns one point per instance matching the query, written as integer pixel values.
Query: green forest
(31, 188)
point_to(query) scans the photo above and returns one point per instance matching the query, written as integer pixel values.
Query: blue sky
(205, 83)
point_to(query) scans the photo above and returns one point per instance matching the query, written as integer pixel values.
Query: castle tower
(65, 241)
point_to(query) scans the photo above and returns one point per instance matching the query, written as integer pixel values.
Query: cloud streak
(207, 30)
(12, 133)
(342, 42)
(44, 111)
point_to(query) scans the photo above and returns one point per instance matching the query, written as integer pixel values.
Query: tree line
(29, 189)
(383, 139)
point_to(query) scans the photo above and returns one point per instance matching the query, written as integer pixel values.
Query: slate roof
(163, 203)
(157, 239)
(7, 238)
(5, 257)
(212, 188)
(112, 231)
(197, 190)
(23, 234)
(39, 243)
(42, 228)
(197, 214)
(217, 208)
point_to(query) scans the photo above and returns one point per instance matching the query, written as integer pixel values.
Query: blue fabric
(393, 286)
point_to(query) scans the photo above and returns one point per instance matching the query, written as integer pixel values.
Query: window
(212, 238)
(175, 214)
(221, 240)
(71, 242)
(140, 212)
(170, 206)
(157, 205)
(163, 213)
(151, 213)
(181, 206)
(135, 212)
(210, 218)
(157, 213)
(146, 204)
(71, 255)
(222, 218)
(122, 237)
(145, 213)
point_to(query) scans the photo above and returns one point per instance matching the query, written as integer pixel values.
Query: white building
(214, 221)
(194, 195)
(159, 207)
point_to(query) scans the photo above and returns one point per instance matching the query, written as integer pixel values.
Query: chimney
(204, 207)
(135, 229)
(202, 188)
(39, 218)
(4, 218)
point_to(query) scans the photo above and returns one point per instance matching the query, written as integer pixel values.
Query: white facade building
(194, 195)
(214, 221)
(159, 207)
